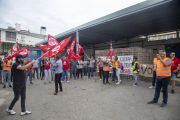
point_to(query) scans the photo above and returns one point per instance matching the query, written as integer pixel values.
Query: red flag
(75, 56)
(70, 50)
(44, 47)
(23, 51)
(79, 48)
(110, 54)
(57, 48)
(52, 42)
(15, 47)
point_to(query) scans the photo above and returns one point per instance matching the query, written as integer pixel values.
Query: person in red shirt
(47, 67)
(175, 66)
(65, 69)
(30, 73)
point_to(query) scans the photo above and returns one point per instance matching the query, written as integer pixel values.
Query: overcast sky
(56, 15)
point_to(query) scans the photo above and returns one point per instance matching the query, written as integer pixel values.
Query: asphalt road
(87, 99)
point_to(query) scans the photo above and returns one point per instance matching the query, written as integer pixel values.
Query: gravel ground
(89, 99)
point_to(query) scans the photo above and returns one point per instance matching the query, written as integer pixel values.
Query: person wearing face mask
(19, 84)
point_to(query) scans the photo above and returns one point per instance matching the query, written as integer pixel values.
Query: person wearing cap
(6, 67)
(134, 70)
(100, 65)
(163, 73)
(19, 84)
(154, 72)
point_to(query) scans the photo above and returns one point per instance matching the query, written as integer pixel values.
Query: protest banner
(146, 70)
(126, 61)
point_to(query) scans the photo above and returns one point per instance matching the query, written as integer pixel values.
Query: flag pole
(43, 55)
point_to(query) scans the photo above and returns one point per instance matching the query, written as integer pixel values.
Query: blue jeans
(65, 73)
(30, 76)
(0, 72)
(162, 83)
(85, 70)
(114, 73)
(135, 77)
(106, 76)
(6, 74)
(90, 70)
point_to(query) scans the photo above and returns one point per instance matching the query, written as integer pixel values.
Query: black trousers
(58, 81)
(79, 71)
(101, 73)
(35, 70)
(154, 78)
(42, 72)
(106, 76)
(164, 82)
(19, 89)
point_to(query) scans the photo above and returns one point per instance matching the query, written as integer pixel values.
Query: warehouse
(152, 24)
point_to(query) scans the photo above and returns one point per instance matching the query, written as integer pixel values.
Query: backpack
(122, 67)
(138, 68)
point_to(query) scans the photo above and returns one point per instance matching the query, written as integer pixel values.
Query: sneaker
(62, 81)
(104, 83)
(152, 87)
(135, 84)
(151, 102)
(10, 112)
(10, 86)
(31, 83)
(118, 83)
(100, 79)
(4, 86)
(67, 81)
(163, 105)
(25, 113)
(107, 83)
(172, 91)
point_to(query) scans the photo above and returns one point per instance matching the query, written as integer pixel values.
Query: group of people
(104, 68)
(164, 70)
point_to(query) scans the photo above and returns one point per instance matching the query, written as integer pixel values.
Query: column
(77, 40)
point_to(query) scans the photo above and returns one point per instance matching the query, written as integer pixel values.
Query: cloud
(56, 15)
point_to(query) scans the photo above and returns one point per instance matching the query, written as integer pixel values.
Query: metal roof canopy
(151, 16)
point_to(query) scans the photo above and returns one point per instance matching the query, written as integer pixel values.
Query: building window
(162, 36)
(10, 36)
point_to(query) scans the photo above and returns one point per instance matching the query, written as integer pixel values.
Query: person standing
(19, 84)
(35, 67)
(65, 69)
(91, 66)
(100, 65)
(163, 73)
(175, 66)
(47, 69)
(85, 67)
(118, 65)
(52, 69)
(79, 68)
(58, 74)
(154, 73)
(0, 70)
(42, 68)
(106, 69)
(73, 63)
(114, 69)
(6, 66)
(134, 70)
(30, 71)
